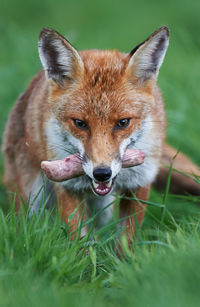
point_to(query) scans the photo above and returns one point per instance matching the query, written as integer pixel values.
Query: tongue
(101, 188)
(71, 167)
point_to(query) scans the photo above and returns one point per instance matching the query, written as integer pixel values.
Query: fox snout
(102, 173)
(102, 181)
(102, 176)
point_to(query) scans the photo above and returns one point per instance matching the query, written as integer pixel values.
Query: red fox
(97, 104)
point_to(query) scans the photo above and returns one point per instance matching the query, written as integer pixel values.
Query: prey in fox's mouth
(101, 179)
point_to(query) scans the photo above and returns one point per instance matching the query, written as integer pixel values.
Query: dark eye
(122, 123)
(81, 124)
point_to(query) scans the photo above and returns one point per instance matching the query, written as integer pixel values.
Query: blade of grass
(163, 210)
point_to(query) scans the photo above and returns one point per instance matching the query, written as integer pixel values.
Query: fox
(97, 103)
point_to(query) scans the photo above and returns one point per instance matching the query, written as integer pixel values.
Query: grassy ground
(39, 266)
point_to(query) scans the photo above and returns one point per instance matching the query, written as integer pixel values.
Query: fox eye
(81, 124)
(122, 123)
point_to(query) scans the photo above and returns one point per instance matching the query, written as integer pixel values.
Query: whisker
(59, 146)
(143, 147)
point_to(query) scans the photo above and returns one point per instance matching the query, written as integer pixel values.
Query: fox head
(101, 102)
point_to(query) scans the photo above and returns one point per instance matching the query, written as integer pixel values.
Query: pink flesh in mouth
(71, 167)
(102, 188)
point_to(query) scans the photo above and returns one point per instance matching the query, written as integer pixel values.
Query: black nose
(102, 173)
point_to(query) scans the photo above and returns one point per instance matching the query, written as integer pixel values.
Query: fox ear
(146, 59)
(59, 58)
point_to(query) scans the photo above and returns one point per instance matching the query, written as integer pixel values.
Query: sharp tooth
(95, 184)
(108, 184)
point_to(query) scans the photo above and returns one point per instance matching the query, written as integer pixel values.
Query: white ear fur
(59, 59)
(146, 59)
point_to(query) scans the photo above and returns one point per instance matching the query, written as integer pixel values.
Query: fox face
(100, 104)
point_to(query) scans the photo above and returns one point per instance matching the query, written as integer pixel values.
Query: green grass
(39, 265)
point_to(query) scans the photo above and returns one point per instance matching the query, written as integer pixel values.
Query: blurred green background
(153, 274)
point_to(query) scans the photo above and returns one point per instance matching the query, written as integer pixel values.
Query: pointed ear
(59, 58)
(146, 59)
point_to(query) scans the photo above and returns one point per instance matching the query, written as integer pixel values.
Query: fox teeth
(108, 184)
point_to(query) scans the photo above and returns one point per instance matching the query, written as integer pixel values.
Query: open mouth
(102, 188)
